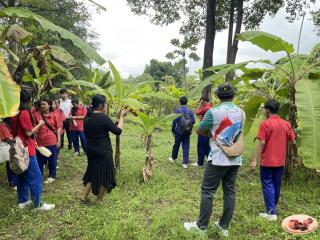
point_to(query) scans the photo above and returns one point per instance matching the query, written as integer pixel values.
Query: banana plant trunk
(292, 154)
(147, 169)
(117, 154)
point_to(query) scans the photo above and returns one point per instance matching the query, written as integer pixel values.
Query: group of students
(41, 130)
(220, 127)
(219, 139)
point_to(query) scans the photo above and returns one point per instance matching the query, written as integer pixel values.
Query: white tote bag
(4, 152)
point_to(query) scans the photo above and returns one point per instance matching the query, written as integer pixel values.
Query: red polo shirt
(25, 126)
(61, 118)
(4, 132)
(81, 111)
(276, 133)
(46, 137)
(202, 110)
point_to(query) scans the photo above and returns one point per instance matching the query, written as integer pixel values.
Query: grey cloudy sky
(131, 41)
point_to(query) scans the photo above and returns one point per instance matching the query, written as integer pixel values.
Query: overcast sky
(131, 41)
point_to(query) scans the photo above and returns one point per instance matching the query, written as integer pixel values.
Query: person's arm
(205, 125)
(258, 154)
(201, 110)
(261, 137)
(82, 116)
(26, 124)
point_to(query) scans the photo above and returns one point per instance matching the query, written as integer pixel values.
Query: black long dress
(100, 170)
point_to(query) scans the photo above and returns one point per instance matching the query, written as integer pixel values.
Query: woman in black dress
(100, 173)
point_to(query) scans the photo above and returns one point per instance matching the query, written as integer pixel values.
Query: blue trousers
(271, 185)
(52, 161)
(75, 140)
(12, 177)
(185, 141)
(30, 181)
(203, 148)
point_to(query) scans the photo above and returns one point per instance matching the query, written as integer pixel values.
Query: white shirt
(66, 107)
(225, 121)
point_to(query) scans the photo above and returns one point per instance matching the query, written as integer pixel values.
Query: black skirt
(100, 170)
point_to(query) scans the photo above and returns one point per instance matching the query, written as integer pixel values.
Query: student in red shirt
(48, 136)
(77, 116)
(31, 179)
(274, 135)
(5, 136)
(203, 146)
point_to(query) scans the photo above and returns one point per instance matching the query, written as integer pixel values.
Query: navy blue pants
(12, 177)
(203, 148)
(30, 180)
(52, 161)
(271, 185)
(75, 139)
(185, 141)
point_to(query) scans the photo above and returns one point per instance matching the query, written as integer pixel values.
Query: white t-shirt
(66, 107)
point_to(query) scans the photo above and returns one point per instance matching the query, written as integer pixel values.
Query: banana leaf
(47, 25)
(308, 102)
(9, 92)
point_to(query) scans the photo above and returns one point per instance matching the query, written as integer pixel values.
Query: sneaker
(223, 231)
(185, 166)
(268, 217)
(46, 206)
(196, 164)
(15, 188)
(171, 159)
(49, 180)
(193, 226)
(25, 204)
(76, 154)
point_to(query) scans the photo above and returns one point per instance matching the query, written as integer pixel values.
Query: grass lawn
(155, 210)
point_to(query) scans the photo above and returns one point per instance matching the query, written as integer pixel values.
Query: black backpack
(186, 124)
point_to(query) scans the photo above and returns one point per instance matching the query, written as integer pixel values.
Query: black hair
(205, 99)
(273, 106)
(63, 90)
(183, 100)
(75, 100)
(25, 98)
(98, 100)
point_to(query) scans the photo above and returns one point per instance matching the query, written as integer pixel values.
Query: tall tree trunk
(209, 43)
(230, 33)
(13, 45)
(235, 43)
(232, 54)
(292, 154)
(147, 169)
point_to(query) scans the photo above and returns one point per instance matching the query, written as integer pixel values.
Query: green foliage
(266, 41)
(9, 92)
(308, 100)
(47, 25)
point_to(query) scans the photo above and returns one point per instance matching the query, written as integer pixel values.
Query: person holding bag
(5, 138)
(48, 136)
(225, 123)
(31, 179)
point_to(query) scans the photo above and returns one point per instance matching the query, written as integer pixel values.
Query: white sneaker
(25, 204)
(268, 217)
(223, 231)
(185, 166)
(192, 226)
(196, 164)
(49, 180)
(76, 154)
(46, 206)
(15, 188)
(171, 159)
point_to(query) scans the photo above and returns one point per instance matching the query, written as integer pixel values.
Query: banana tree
(123, 96)
(148, 124)
(301, 73)
(9, 92)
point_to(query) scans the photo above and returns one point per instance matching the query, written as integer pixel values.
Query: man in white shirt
(66, 106)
